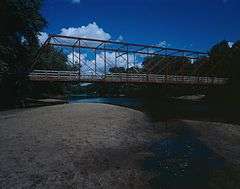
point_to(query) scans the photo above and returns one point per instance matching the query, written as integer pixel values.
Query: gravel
(73, 146)
(92, 146)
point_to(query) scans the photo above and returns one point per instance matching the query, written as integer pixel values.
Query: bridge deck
(73, 76)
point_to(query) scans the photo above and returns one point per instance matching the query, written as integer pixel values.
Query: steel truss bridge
(91, 60)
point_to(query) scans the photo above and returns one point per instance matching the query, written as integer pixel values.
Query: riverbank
(30, 103)
(105, 146)
(186, 107)
(79, 146)
(33, 103)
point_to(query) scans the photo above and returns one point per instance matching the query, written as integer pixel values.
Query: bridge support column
(79, 60)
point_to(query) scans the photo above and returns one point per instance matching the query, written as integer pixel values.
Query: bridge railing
(48, 75)
(61, 75)
(164, 78)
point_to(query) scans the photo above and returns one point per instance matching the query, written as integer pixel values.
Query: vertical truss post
(127, 61)
(105, 61)
(79, 59)
(167, 67)
(134, 60)
(73, 50)
(95, 63)
(115, 59)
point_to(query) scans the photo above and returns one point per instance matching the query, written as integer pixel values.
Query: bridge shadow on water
(181, 162)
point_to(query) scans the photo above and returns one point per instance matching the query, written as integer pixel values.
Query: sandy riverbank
(92, 145)
(72, 146)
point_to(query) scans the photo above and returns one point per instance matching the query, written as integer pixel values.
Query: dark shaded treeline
(223, 61)
(21, 23)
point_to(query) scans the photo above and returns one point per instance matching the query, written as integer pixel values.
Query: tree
(221, 59)
(202, 66)
(134, 70)
(21, 22)
(235, 68)
(52, 59)
(117, 70)
(165, 64)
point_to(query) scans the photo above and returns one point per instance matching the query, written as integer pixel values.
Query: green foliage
(235, 68)
(202, 67)
(221, 59)
(21, 22)
(133, 70)
(52, 59)
(226, 63)
(166, 65)
(117, 70)
(123, 70)
(19, 44)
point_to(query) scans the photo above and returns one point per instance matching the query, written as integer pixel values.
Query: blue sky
(189, 24)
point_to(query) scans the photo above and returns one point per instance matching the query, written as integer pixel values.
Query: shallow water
(181, 162)
(127, 102)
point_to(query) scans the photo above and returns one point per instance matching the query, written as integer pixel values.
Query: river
(120, 101)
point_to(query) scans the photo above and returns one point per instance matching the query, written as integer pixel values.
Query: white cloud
(120, 38)
(87, 66)
(92, 30)
(230, 44)
(121, 61)
(42, 37)
(164, 44)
